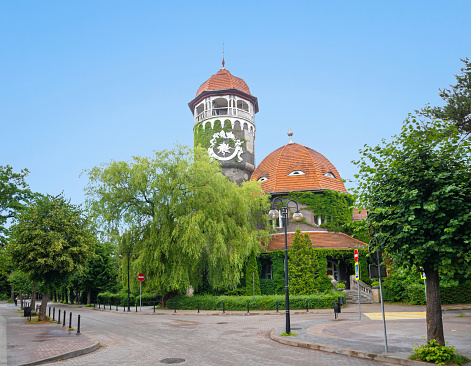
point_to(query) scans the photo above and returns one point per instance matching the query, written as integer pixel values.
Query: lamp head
(273, 214)
(297, 216)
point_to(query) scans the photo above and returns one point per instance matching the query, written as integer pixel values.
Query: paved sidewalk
(39, 343)
(28, 344)
(365, 338)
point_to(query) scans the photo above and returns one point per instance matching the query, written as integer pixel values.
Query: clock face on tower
(225, 146)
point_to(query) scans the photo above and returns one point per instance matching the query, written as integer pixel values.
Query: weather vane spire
(290, 134)
(223, 62)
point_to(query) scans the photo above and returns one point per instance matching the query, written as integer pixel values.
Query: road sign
(422, 274)
(355, 255)
(357, 271)
(141, 277)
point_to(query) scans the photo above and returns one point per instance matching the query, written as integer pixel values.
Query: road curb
(348, 352)
(63, 356)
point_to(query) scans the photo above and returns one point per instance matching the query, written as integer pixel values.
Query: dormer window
(296, 172)
(329, 174)
(262, 179)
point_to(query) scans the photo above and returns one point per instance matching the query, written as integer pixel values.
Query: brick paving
(29, 343)
(211, 338)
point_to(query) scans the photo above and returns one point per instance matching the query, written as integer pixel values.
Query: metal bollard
(136, 306)
(63, 322)
(70, 320)
(59, 318)
(49, 312)
(307, 307)
(248, 308)
(175, 306)
(116, 306)
(78, 325)
(277, 306)
(110, 304)
(94, 305)
(99, 305)
(223, 308)
(198, 307)
(53, 314)
(154, 306)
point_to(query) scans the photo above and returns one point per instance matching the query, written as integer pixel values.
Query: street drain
(222, 323)
(172, 360)
(296, 328)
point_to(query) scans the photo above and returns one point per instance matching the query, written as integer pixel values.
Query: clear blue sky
(86, 82)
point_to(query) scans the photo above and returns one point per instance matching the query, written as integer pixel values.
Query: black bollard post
(248, 308)
(70, 320)
(110, 304)
(63, 322)
(116, 306)
(53, 314)
(136, 306)
(94, 305)
(49, 312)
(277, 306)
(59, 318)
(175, 306)
(307, 307)
(223, 308)
(99, 305)
(78, 325)
(154, 306)
(124, 308)
(198, 307)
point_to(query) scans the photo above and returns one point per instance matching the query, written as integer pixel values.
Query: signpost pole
(140, 296)
(357, 278)
(382, 305)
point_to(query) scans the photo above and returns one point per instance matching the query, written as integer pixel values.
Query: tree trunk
(42, 309)
(167, 296)
(434, 307)
(33, 297)
(71, 295)
(89, 296)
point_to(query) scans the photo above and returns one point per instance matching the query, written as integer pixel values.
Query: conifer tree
(250, 270)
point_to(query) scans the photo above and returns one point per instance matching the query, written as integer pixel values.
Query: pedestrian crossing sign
(357, 271)
(422, 273)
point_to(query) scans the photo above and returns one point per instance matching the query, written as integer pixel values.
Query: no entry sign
(355, 255)
(141, 277)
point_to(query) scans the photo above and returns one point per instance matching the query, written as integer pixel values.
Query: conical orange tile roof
(282, 162)
(223, 80)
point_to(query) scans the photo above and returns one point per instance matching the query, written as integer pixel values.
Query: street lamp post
(297, 216)
(128, 255)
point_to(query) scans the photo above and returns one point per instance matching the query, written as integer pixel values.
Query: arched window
(242, 105)
(329, 174)
(220, 107)
(262, 179)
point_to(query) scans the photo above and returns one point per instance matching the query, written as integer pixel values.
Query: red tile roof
(277, 166)
(223, 80)
(319, 240)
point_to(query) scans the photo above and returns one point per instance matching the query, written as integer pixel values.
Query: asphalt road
(132, 339)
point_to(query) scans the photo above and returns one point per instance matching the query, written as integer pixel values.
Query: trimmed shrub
(208, 302)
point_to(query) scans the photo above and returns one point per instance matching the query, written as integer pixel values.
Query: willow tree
(417, 190)
(175, 210)
(50, 242)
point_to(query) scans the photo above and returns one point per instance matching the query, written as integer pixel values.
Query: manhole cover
(222, 323)
(172, 360)
(296, 328)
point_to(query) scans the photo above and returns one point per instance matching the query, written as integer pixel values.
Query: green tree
(458, 101)
(50, 241)
(100, 273)
(14, 194)
(417, 189)
(300, 265)
(252, 278)
(177, 208)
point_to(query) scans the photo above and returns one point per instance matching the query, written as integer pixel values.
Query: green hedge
(414, 293)
(208, 302)
(121, 298)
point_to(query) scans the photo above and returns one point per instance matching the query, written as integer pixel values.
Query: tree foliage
(417, 190)
(173, 210)
(14, 194)
(50, 241)
(458, 101)
(252, 278)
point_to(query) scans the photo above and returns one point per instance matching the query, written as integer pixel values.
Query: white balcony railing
(226, 111)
